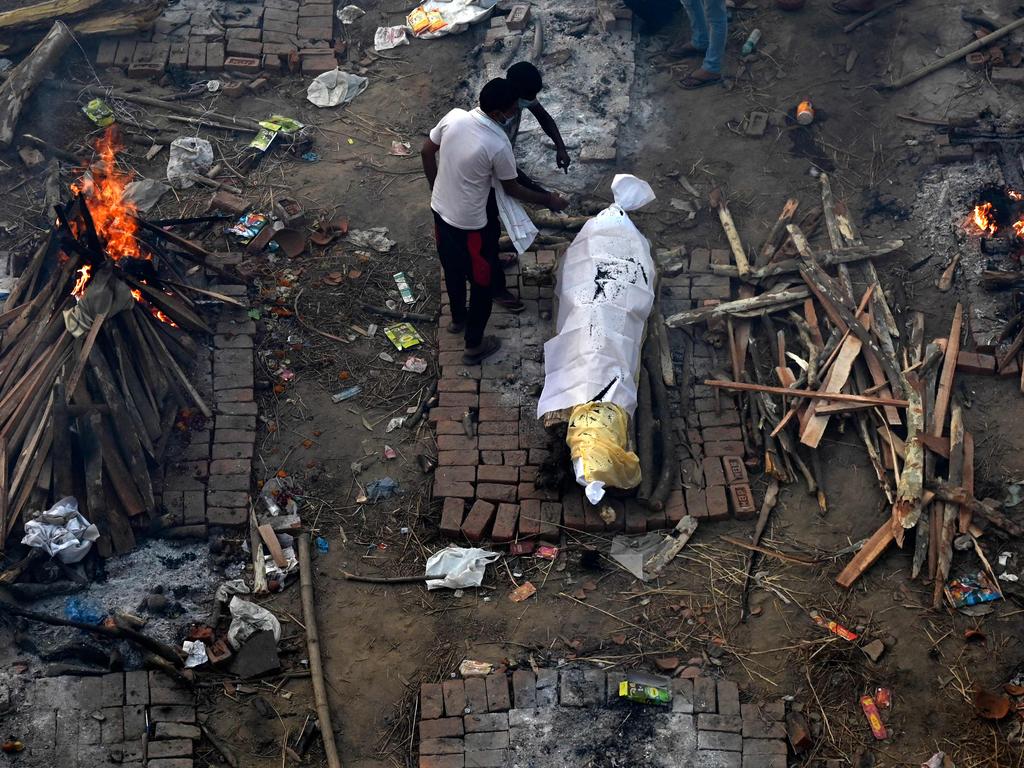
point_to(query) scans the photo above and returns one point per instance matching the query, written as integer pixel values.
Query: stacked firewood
(808, 350)
(94, 362)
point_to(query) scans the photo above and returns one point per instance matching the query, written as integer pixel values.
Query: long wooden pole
(809, 393)
(316, 670)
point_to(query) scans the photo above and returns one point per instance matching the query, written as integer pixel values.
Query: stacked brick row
(715, 477)
(474, 722)
(209, 483)
(296, 35)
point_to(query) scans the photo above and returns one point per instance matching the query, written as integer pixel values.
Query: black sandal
(488, 347)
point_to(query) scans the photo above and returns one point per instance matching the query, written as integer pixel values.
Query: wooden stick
(731, 233)
(866, 555)
(957, 55)
(24, 78)
(946, 492)
(161, 348)
(316, 670)
(83, 355)
(834, 257)
(948, 371)
(777, 232)
(870, 15)
(770, 300)
(807, 393)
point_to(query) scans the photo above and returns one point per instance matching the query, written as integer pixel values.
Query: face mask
(508, 121)
(524, 104)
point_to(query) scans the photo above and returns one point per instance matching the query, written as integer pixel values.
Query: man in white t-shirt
(466, 153)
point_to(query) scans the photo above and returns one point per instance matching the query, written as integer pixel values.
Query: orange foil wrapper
(883, 698)
(874, 718)
(834, 627)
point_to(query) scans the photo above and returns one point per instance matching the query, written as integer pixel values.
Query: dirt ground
(381, 641)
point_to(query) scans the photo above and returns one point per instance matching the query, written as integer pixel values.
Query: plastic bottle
(805, 113)
(752, 41)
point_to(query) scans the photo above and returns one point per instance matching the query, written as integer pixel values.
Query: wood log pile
(94, 359)
(809, 350)
(23, 27)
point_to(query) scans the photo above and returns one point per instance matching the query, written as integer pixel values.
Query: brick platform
(209, 482)
(556, 717)
(486, 480)
(272, 35)
(83, 722)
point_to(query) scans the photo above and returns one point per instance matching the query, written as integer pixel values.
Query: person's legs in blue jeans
(698, 23)
(717, 29)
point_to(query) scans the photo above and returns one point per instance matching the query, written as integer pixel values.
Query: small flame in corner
(1018, 228)
(984, 219)
(84, 275)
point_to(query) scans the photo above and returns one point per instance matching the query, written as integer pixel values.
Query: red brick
(214, 57)
(718, 507)
(451, 516)
(551, 520)
(531, 491)
(178, 56)
(499, 427)
(494, 399)
(230, 467)
(476, 694)
(538, 456)
(474, 527)
(499, 442)
(454, 488)
(125, 52)
(505, 520)
(457, 400)
(636, 517)
(446, 747)
(735, 470)
(497, 474)
(493, 458)
(528, 474)
(239, 395)
(496, 492)
(973, 362)
(721, 434)
(713, 474)
(442, 728)
(572, 511)
(456, 443)
(454, 692)
(524, 689)
(448, 427)
(594, 522)
(462, 474)
(463, 458)
(515, 458)
(196, 56)
(441, 761)
(241, 63)
(675, 507)
(456, 385)
(529, 517)
(107, 51)
(728, 448)
(317, 65)
(742, 499)
(727, 418)
(438, 414)
(497, 693)
(696, 503)
(499, 414)
(431, 701)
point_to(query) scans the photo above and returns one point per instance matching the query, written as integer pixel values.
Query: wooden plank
(968, 481)
(937, 445)
(811, 316)
(945, 390)
(83, 353)
(776, 233)
(63, 476)
(266, 532)
(895, 441)
(866, 555)
(731, 233)
(805, 393)
(837, 377)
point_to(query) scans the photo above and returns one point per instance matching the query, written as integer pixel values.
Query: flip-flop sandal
(692, 83)
(842, 6)
(329, 231)
(490, 345)
(511, 304)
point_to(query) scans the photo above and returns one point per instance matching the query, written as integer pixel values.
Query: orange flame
(84, 273)
(1015, 195)
(103, 190)
(1018, 227)
(984, 220)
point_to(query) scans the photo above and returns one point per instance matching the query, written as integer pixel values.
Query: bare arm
(428, 154)
(550, 127)
(550, 200)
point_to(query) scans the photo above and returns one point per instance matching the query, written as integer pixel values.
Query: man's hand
(563, 159)
(556, 202)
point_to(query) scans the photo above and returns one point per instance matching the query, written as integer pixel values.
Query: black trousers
(464, 255)
(494, 223)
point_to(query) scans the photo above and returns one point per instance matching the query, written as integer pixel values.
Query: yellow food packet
(418, 21)
(436, 20)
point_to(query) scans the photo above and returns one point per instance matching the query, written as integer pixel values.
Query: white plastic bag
(605, 292)
(145, 193)
(335, 87)
(247, 619)
(188, 155)
(61, 532)
(461, 567)
(386, 38)
(459, 15)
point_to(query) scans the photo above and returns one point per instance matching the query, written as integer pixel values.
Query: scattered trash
(83, 611)
(989, 705)
(335, 87)
(381, 489)
(145, 193)
(213, 86)
(546, 552)
(12, 745)
(883, 698)
(322, 545)
(834, 627)
(751, 43)
(415, 364)
(400, 148)
(403, 288)
(874, 718)
(938, 760)
(349, 14)
(196, 653)
(646, 689)
(403, 335)
(189, 156)
(386, 38)
(61, 532)
(634, 552)
(805, 113)
(385, 357)
(375, 238)
(1004, 558)
(523, 592)
(971, 589)
(247, 619)
(311, 157)
(390, 453)
(99, 112)
(471, 668)
(1011, 577)
(436, 18)
(277, 492)
(458, 567)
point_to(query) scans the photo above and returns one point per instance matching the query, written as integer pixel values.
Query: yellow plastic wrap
(598, 440)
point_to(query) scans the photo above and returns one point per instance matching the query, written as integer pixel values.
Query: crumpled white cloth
(62, 532)
(462, 567)
(335, 87)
